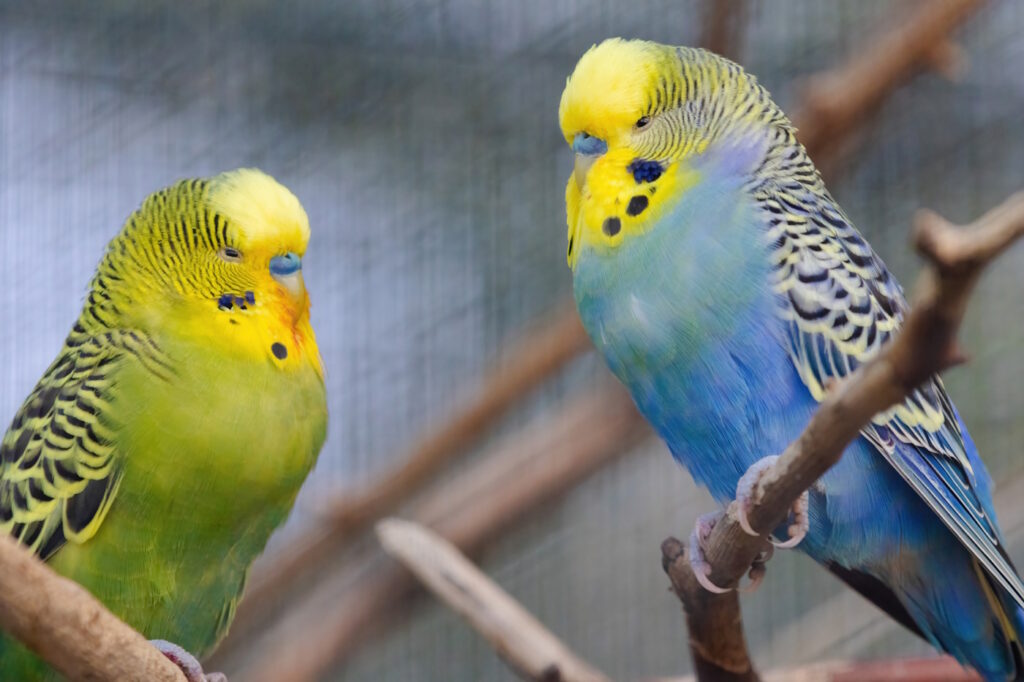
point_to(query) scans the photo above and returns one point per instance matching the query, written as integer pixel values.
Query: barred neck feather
(144, 262)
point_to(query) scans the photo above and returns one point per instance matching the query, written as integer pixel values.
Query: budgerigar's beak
(588, 149)
(287, 271)
(580, 169)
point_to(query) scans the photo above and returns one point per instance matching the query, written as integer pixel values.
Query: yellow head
(634, 111)
(215, 260)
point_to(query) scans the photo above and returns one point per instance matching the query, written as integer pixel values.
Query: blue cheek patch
(644, 170)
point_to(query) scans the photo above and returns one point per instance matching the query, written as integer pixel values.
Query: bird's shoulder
(59, 461)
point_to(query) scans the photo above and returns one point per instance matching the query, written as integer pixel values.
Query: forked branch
(925, 346)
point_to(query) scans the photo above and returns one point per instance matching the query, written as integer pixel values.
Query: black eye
(642, 122)
(230, 254)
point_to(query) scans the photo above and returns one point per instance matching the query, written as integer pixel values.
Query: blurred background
(422, 139)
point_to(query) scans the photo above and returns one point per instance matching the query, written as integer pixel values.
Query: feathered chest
(219, 418)
(687, 283)
(685, 316)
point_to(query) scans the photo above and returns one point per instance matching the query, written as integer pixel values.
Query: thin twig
(526, 364)
(925, 346)
(67, 627)
(517, 636)
(518, 475)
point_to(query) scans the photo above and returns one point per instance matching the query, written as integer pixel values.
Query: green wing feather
(59, 463)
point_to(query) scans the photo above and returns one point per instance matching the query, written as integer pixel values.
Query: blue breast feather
(685, 316)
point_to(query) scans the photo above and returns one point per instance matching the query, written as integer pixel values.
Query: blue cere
(288, 264)
(588, 145)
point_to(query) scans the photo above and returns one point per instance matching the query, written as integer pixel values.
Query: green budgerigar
(172, 433)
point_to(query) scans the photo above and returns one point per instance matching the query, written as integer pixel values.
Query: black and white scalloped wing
(841, 305)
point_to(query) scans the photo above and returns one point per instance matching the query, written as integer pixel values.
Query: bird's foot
(702, 569)
(744, 499)
(186, 662)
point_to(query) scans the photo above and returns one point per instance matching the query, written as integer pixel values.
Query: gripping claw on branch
(186, 662)
(745, 498)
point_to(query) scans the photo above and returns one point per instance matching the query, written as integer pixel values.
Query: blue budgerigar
(726, 288)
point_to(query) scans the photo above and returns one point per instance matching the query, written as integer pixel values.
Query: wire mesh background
(422, 139)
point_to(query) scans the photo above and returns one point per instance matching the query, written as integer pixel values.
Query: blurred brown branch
(935, 669)
(555, 341)
(926, 345)
(536, 654)
(837, 102)
(519, 638)
(66, 626)
(517, 475)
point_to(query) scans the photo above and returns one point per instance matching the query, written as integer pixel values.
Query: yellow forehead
(610, 87)
(263, 214)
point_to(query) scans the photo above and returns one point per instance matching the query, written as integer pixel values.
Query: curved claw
(744, 494)
(801, 523)
(701, 569)
(745, 490)
(741, 518)
(186, 662)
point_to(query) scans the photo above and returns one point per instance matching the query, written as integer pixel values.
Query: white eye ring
(230, 254)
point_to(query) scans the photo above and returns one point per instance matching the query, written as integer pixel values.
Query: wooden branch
(536, 654)
(723, 659)
(519, 638)
(66, 626)
(925, 346)
(837, 102)
(554, 342)
(513, 479)
(933, 669)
